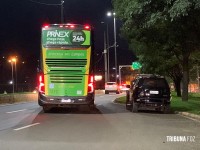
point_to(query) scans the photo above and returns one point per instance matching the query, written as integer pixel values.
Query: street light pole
(62, 13)
(105, 58)
(11, 62)
(15, 75)
(14, 81)
(106, 49)
(115, 42)
(108, 45)
(115, 45)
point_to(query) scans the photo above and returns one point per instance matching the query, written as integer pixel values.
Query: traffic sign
(136, 65)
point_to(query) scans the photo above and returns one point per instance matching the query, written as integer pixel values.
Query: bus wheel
(91, 107)
(46, 109)
(39, 102)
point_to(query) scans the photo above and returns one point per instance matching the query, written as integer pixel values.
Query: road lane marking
(28, 126)
(16, 111)
(193, 119)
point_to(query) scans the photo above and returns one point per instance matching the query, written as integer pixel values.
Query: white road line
(15, 111)
(17, 129)
(189, 118)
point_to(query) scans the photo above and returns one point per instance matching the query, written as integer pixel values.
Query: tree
(176, 22)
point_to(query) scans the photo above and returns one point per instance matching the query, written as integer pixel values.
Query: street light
(13, 60)
(115, 43)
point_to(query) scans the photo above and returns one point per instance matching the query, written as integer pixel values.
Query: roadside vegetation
(164, 35)
(17, 97)
(191, 106)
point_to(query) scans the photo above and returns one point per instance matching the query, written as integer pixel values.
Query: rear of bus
(66, 77)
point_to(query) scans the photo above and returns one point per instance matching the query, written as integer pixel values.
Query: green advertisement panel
(72, 54)
(65, 37)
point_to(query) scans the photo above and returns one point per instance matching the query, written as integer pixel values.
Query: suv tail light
(41, 83)
(90, 83)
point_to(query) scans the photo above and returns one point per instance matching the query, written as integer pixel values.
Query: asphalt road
(108, 127)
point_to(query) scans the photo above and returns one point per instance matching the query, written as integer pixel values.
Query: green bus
(66, 73)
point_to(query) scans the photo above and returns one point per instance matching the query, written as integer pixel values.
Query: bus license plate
(66, 100)
(154, 92)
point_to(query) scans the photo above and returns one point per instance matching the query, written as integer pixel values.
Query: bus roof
(67, 26)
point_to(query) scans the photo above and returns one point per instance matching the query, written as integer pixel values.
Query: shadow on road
(74, 110)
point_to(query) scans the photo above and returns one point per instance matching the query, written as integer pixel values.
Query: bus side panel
(87, 70)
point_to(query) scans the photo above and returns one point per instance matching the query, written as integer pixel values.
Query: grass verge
(18, 97)
(191, 106)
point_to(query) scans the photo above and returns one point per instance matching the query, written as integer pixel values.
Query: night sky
(21, 22)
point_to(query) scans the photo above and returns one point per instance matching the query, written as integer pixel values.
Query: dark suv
(149, 91)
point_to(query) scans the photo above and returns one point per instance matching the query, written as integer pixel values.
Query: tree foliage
(163, 34)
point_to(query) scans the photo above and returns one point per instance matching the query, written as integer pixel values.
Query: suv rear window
(154, 83)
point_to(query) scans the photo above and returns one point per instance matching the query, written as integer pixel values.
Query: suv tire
(134, 107)
(128, 104)
(166, 109)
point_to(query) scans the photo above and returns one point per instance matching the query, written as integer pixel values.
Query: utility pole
(108, 45)
(62, 11)
(115, 44)
(15, 76)
(105, 58)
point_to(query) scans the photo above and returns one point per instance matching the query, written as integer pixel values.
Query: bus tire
(39, 102)
(92, 107)
(46, 109)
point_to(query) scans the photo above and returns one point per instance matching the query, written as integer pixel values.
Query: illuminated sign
(65, 37)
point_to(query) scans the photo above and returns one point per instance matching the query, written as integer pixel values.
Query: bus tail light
(90, 83)
(41, 83)
(46, 26)
(72, 26)
(87, 27)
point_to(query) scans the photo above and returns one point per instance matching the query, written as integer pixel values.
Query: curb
(189, 115)
(185, 114)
